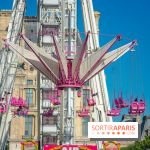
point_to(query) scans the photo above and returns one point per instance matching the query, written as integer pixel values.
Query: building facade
(25, 86)
(4, 17)
(145, 127)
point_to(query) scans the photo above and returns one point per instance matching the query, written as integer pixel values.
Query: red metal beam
(59, 59)
(77, 69)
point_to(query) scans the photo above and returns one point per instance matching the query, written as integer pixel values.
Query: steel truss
(8, 65)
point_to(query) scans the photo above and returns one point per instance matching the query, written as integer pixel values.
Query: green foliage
(7, 146)
(139, 145)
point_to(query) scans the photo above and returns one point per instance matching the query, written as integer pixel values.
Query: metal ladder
(9, 65)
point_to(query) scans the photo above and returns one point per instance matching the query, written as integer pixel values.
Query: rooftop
(5, 10)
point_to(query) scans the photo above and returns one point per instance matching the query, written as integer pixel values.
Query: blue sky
(131, 18)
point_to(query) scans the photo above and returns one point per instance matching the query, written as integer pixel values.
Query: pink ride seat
(141, 106)
(20, 101)
(25, 104)
(3, 108)
(117, 103)
(48, 113)
(13, 102)
(84, 113)
(21, 112)
(113, 112)
(91, 102)
(134, 107)
(79, 93)
(54, 100)
(132, 112)
(120, 103)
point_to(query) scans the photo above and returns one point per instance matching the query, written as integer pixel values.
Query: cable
(58, 33)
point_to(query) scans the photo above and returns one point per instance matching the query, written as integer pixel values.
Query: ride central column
(68, 43)
(68, 117)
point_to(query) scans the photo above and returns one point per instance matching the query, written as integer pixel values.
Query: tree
(139, 145)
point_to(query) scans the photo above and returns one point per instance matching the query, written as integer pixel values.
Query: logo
(113, 130)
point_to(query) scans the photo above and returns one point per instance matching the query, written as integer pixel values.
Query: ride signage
(70, 147)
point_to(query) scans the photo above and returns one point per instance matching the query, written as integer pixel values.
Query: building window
(29, 82)
(85, 126)
(29, 96)
(86, 94)
(28, 125)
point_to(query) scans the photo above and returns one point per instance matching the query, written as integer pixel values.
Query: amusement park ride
(70, 69)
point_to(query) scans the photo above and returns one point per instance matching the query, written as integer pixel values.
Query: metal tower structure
(61, 58)
(98, 83)
(50, 20)
(8, 65)
(59, 17)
